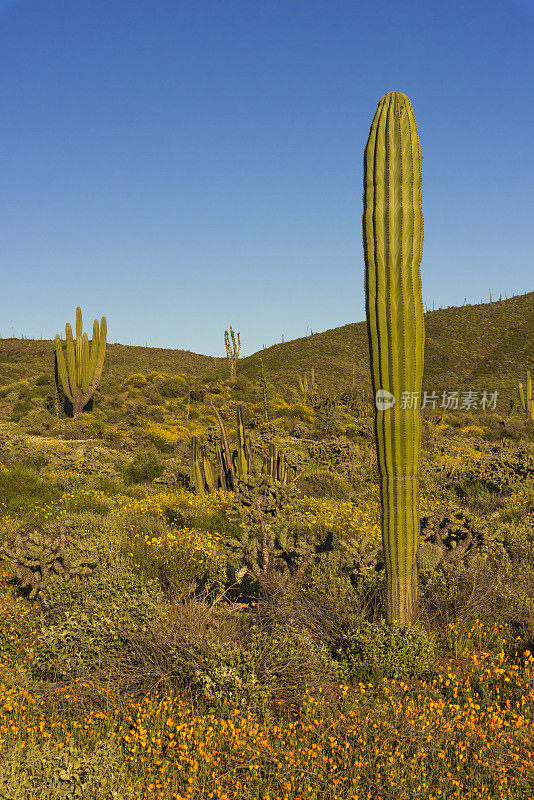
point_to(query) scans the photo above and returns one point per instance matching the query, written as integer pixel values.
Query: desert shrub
(301, 412)
(291, 657)
(241, 383)
(38, 422)
(137, 381)
(105, 484)
(44, 380)
(324, 483)
(473, 430)
(386, 650)
(157, 413)
(83, 498)
(34, 460)
(166, 438)
(464, 591)
(230, 677)
(299, 430)
(113, 435)
(85, 426)
(156, 377)
(179, 557)
(20, 409)
(86, 527)
(102, 607)
(270, 669)
(173, 387)
(325, 603)
(146, 465)
(24, 493)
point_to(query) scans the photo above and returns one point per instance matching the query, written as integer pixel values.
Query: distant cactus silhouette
(232, 351)
(527, 401)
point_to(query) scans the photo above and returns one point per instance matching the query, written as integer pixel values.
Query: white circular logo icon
(384, 400)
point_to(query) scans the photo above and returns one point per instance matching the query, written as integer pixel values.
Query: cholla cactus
(39, 558)
(80, 376)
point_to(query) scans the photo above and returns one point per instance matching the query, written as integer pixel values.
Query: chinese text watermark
(449, 400)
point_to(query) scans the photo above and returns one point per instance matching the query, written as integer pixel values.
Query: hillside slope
(487, 346)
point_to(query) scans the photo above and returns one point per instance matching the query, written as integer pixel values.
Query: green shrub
(24, 493)
(173, 387)
(230, 677)
(34, 460)
(20, 409)
(147, 464)
(102, 609)
(137, 381)
(38, 422)
(274, 665)
(324, 483)
(386, 651)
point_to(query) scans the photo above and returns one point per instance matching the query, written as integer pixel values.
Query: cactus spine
(527, 403)
(393, 244)
(232, 352)
(80, 375)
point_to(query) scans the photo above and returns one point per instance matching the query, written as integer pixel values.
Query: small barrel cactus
(429, 556)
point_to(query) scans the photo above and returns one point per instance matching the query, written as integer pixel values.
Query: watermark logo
(384, 399)
(449, 400)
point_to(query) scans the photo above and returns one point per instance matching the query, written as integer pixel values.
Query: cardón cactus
(527, 401)
(80, 376)
(393, 243)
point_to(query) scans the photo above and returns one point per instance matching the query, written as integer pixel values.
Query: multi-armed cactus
(306, 389)
(236, 465)
(232, 352)
(527, 401)
(80, 375)
(393, 243)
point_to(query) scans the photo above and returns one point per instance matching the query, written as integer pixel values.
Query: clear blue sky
(186, 165)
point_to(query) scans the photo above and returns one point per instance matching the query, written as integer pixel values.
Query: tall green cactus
(393, 244)
(527, 401)
(232, 352)
(80, 375)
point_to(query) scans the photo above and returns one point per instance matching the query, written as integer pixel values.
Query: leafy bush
(102, 609)
(386, 650)
(137, 381)
(38, 422)
(24, 493)
(173, 387)
(324, 483)
(230, 677)
(147, 464)
(84, 427)
(20, 409)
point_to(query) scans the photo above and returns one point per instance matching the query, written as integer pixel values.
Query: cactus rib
(393, 239)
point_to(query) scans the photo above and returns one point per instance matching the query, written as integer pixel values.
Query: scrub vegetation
(159, 641)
